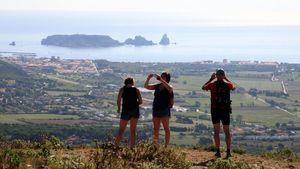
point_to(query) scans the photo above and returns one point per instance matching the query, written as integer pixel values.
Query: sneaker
(218, 154)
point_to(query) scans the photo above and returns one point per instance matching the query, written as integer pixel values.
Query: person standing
(162, 104)
(219, 86)
(131, 99)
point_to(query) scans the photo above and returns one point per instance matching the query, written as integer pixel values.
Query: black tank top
(162, 98)
(130, 98)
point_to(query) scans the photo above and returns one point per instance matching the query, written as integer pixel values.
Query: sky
(197, 12)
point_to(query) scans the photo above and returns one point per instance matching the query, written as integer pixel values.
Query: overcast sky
(198, 12)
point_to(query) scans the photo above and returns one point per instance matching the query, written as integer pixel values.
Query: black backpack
(223, 96)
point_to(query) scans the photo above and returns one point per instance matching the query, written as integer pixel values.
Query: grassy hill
(52, 153)
(11, 71)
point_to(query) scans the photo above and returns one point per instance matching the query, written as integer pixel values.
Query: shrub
(211, 147)
(239, 151)
(227, 164)
(11, 159)
(283, 154)
(144, 155)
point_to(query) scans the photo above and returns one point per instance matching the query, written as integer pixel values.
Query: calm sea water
(280, 44)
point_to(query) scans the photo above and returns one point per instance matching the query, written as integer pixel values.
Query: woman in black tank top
(131, 99)
(163, 102)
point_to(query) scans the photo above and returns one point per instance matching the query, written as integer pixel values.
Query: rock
(13, 43)
(164, 40)
(138, 41)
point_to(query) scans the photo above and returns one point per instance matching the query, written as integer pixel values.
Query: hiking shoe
(218, 154)
(228, 155)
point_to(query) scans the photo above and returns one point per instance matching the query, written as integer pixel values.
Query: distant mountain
(138, 41)
(11, 71)
(80, 41)
(86, 41)
(164, 40)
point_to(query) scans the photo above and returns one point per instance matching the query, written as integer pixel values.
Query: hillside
(11, 71)
(52, 153)
(202, 159)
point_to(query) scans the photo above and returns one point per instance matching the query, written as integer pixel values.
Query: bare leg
(123, 124)
(133, 123)
(165, 121)
(217, 135)
(227, 136)
(156, 126)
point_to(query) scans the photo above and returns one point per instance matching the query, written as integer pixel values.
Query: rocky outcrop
(138, 41)
(164, 40)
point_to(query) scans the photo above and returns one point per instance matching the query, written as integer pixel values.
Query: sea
(189, 43)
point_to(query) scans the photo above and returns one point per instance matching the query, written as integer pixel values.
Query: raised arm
(213, 76)
(147, 85)
(119, 99)
(232, 86)
(165, 84)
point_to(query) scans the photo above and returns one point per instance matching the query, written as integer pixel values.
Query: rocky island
(165, 40)
(138, 41)
(80, 41)
(94, 41)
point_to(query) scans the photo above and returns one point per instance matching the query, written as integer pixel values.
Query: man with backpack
(220, 86)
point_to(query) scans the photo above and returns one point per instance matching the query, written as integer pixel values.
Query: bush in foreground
(227, 164)
(50, 153)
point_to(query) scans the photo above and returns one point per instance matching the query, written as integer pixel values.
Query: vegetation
(50, 152)
(226, 164)
(11, 71)
(283, 154)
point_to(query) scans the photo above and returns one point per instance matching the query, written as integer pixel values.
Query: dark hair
(128, 81)
(220, 72)
(168, 76)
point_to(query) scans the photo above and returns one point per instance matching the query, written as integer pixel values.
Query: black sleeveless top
(162, 98)
(129, 99)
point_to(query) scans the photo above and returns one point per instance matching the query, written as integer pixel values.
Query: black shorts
(128, 114)
(219, 115)
(162, 113)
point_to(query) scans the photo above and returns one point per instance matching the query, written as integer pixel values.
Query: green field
(260, 84)
(19, 118)
(58, 93)
(253, 110)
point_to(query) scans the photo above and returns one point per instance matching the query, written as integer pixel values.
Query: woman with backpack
(162, 104)
(131, 99)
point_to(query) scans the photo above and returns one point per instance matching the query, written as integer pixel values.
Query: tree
(239, 119)
(277, 125)
(197, 104)
(270, 148)
(205, 141)
(280, 146)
